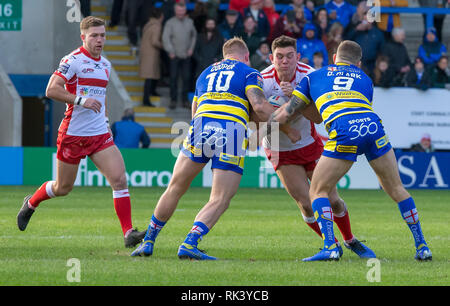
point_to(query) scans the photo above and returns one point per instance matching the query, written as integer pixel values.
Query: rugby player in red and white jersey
(294, 162)
(80, 82)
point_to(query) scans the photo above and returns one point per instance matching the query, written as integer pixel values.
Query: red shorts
(307, 156)
(71, 149)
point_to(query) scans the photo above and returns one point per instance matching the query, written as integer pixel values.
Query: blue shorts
(355, 134)
(223, 142)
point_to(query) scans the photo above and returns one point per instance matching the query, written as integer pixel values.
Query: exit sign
(10, 15)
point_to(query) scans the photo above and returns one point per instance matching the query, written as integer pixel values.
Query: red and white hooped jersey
(272, 88)
(86, 77)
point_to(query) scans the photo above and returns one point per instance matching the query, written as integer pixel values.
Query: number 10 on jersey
(219, 81)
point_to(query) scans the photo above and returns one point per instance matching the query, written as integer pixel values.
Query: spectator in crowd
(231, 26)
(271, 13)
(238, 5)
(116, 12)
(431, 49)
(317, 60)
(418, 77)
(322, 24)
(440, 73)
(382, 75)
(85, 7)
(397, 53)
(310, 44)
(438, 19)
(167, 9)
(149, 55)
(355, 2)
(199, 15)
(129, 134)
(371, 40)
(255, 10)
(424, 145)
(340, 10)
(208, 48)
(334, 38)
(212, 7)
(179, 38)
(358, 16)
(250, 35)
(260, 60)
(291, 24)
(390, 21)
(310, 10)
(296, 5)
(137, 17)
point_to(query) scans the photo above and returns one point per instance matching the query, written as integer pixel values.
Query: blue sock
(154, 228)
(324, 216)
(197, 232)
(409, 213)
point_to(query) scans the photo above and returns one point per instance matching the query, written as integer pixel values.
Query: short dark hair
(443, 57)
(155, 12)
(284, 41)
(349, 51)
(319, 54)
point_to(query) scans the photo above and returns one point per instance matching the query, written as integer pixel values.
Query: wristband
(79, 101)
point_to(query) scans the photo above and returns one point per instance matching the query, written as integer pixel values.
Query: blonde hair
(90, 21)
(234, 46)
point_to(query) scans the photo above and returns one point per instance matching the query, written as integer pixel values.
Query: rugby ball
(277, 101)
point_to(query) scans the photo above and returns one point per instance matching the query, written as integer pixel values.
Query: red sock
(315, 227)
(44, 192)
(343, 223)
(122, 205)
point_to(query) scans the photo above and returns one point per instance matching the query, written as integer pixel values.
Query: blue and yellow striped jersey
(337, 90)
(221, 91)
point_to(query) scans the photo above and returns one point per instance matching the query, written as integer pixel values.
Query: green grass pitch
(260, 241)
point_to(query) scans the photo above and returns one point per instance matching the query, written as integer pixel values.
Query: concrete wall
(11, 113)
(49, 32)
(46, 36)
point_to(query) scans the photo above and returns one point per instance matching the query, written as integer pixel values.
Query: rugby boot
(25, 213)
(187, 251)
(340, 250)
(325, 255)
(423, 253)
(359, 249)
(133, 238)
(145, 248)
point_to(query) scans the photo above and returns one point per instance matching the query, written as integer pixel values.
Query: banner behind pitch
(153, 167)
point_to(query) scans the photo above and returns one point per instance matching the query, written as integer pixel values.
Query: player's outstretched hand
(93, 104)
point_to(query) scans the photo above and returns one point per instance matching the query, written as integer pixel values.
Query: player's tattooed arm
(258, 101)
(287, 112)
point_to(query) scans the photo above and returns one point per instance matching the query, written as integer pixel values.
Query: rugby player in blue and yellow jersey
(342, 93)
(226, 94)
